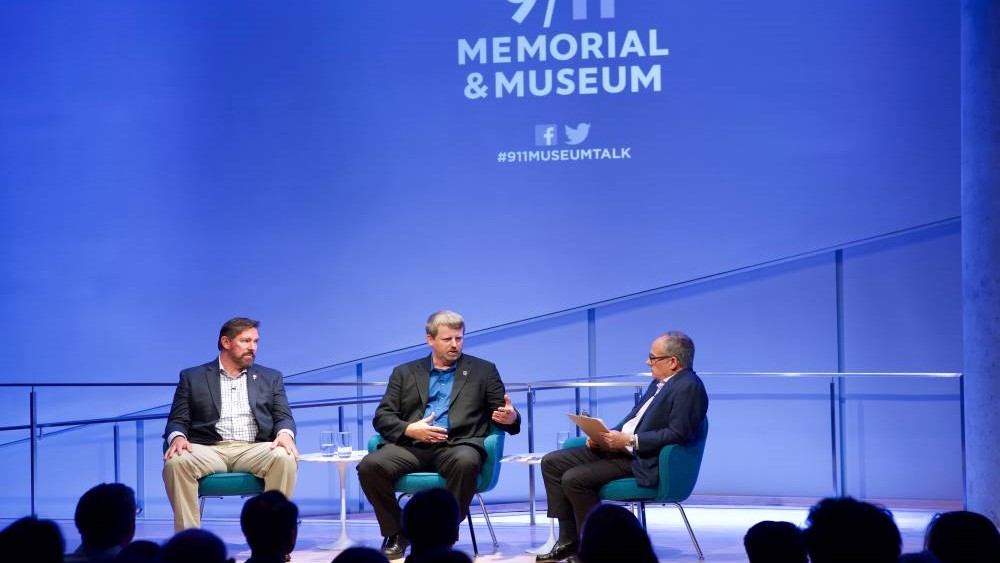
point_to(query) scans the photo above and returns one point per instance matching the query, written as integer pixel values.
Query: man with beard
(229, 415)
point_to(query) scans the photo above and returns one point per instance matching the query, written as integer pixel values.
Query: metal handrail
(529, 388)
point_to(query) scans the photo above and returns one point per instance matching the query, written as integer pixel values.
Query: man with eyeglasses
(671, 411)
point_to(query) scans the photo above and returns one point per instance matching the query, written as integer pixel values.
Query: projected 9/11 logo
(568, 62)
(607, 10)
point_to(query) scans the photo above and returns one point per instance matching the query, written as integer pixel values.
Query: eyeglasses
(653, 359)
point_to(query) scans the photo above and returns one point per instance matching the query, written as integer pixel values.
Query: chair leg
(642, 513)
(472, 532)
(201, 506)
(486, 515)
(694, 540)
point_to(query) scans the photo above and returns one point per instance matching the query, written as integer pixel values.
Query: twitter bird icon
(577, 135)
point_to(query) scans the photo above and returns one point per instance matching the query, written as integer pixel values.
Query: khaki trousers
(181, 473)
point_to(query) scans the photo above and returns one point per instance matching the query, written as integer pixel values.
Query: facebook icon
(546, 135)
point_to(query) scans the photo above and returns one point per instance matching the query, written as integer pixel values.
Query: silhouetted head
(439, 556)
(775, 542)
(194, 546)
(105, 516)
(360, 555)
(612, 534)
(430, 520)
(139, 551)
(31, 539)
(963, 536)
(270, 523)
(844, 529)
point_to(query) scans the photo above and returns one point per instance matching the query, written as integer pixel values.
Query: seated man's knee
(368, 469)
(469, 463)
(576, 479)
(176, 463)
(280, 456)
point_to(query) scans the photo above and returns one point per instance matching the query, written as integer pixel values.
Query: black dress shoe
(560, 551)
(395, 546)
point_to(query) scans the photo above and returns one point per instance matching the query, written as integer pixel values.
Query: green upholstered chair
(488, 476)
(218, 485)
(679, 466)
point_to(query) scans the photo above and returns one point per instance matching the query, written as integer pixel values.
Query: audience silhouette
(34, 540)
(360, 555)
(612, 534)
(270, 523)
(105, 517)
(194, 545)
(139, 551)
(775, 542)
(845, 529)
(441, 555)
(430, 521)
(956, 537)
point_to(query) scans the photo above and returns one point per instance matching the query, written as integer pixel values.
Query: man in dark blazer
(671, 411)
(435, 416)
(229, 415)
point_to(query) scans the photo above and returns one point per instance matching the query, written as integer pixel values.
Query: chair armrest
(490, 472)
(374, 442)
(575, 442)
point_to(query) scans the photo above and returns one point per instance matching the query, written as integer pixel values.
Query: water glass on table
(327, 447)
(344, 446)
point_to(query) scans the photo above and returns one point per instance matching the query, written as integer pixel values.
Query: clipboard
(592, 427)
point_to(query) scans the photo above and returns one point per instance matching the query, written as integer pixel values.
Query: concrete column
(980, 61)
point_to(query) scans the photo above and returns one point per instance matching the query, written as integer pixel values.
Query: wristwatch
(634, 441)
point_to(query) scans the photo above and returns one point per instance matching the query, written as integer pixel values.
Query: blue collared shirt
(439, 394)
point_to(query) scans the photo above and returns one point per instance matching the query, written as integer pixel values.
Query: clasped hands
(612, 440)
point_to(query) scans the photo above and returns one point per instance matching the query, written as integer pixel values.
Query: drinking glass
(344, 447)
(327, 447)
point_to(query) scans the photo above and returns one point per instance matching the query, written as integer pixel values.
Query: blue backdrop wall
(339, 170)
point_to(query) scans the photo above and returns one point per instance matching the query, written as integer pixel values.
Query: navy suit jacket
(476, 392)
(675, 417)
(198, 403)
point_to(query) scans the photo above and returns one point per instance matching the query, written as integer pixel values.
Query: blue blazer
(675, 417)
(198, 402)
(476, 393)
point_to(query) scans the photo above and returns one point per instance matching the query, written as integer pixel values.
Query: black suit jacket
(475, 394)
(675, 417)
(198, 402)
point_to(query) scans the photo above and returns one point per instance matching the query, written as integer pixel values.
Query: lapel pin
(255, 377)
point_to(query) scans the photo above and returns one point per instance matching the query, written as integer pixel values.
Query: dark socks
(567, 531)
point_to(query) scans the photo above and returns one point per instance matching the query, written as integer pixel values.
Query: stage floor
(719, 530)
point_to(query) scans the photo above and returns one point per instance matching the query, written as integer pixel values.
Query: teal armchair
(488, 477)
(218, 485)
(679, 466)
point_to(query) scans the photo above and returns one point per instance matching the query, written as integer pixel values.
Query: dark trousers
(379, 470)
(574, 476)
